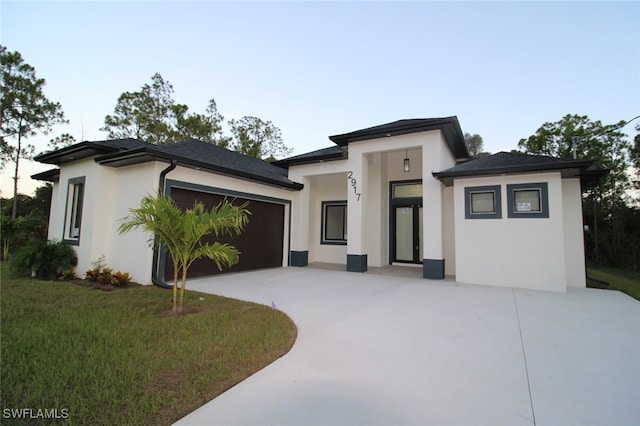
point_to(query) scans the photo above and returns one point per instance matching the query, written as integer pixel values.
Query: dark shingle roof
(449, 126)
(319, 156)
(511, 163)
(191, 153)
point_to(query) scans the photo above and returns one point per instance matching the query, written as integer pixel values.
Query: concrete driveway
(383, 350)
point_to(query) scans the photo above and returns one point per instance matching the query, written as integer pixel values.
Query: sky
(317, 69)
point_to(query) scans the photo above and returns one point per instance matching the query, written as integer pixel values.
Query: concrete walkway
(381, 350)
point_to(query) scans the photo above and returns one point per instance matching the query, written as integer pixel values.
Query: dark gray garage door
(260, 244)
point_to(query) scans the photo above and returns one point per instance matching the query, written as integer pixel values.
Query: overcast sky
(319, 69)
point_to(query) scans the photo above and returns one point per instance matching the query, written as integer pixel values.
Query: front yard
(98, 357)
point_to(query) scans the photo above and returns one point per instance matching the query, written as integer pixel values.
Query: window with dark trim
(334, 222)
(73, 212)
(482, 202)
(528, 200)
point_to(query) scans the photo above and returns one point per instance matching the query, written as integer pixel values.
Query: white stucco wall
(512, 252)
(108, 196)
(131, 252)
(448, 223)
(573, 233)
(374, 164)
(331, 187)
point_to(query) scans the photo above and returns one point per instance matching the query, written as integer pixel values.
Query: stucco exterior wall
(109, 193)
(131, 252)
(573, 233)
(331, 187)
(512, 252)
(373, 164)
(449, 232)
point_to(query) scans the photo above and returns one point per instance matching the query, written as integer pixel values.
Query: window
(529, 200)
(407, 190)
(483, 202)
(73, 216)
(334, 222)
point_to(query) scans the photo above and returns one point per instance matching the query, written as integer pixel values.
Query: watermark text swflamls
(35, 413)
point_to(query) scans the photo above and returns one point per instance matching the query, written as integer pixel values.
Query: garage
(260, 245)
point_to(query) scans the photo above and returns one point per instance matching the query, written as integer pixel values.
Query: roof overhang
(75, 152)
(52, 175)
(144, 155)
(585, 170)
(449, 126)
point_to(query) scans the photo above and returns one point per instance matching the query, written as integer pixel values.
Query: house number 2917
(354, 184)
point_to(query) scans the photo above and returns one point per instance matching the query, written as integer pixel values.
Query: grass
(625, 281)
(117, 357)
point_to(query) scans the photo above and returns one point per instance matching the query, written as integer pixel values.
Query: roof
(319, 156)
(88, 149)
(191, 153)
(516, 163)
(449, 126)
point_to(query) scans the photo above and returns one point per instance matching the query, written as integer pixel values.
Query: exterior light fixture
(407, 165)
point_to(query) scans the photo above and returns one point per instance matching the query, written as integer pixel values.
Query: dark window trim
(67, 219)
(323, 222)
(543, 187)
(497, 198)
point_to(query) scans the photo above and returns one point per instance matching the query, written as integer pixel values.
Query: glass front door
(408, 234)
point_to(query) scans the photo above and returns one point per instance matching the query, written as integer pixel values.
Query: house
(404, 193)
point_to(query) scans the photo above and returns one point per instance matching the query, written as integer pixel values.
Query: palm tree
(182, 233)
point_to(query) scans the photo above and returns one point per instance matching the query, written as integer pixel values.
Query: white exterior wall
(373, 163)
(131, 252)
(331, 187)
(573, 233)
(512, 252)
(448, 223)
(109, 193)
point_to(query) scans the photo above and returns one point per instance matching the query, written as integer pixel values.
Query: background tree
(24, 111)
(61, 141)
(607, 205)
(474, 144)
(144, 114)
(152, 115)
(258, 138)
(183, 233)
(206, 127)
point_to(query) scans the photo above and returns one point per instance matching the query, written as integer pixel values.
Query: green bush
(46, 260)
(100, 273)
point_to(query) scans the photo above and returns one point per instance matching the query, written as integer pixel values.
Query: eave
(144, 155)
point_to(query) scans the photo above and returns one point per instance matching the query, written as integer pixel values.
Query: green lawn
(116, 357)
(626, 281)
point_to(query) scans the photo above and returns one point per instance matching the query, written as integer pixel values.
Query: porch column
(432, 215)
(299, 250)
(356, 196)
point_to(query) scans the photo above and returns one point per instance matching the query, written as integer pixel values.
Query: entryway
(405, 228)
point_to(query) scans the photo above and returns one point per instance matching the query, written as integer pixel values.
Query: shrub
(121, 279)
(45, 260)
(100, 273)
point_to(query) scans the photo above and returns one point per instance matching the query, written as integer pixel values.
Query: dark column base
(299, 258)
(357, 262)
(433, 269)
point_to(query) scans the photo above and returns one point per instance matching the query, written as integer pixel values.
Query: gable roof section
(191, 153)
(319, 156)
(449, 126)
(516, 163)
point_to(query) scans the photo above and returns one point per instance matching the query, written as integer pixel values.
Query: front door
(407, 229)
